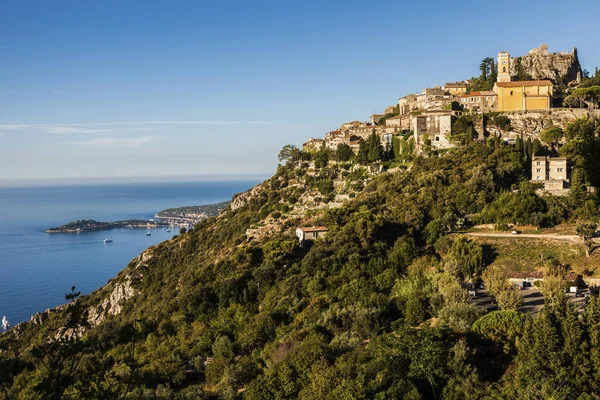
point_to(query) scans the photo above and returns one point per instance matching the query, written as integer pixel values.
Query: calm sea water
(37, 268)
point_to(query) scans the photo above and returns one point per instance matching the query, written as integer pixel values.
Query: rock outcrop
(123, 291)
(540, 64)
(532, 123)
(241, 199)
(113, 303)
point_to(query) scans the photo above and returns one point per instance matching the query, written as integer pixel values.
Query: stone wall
(531, 123)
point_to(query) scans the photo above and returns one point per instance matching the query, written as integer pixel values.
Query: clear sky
(170, 88)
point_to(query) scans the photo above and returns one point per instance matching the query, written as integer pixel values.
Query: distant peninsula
(179, 215)
(89, 225)
(191, 214)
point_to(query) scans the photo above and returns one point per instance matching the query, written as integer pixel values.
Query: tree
(363, 152)
(506, 294)
(509, 298)
(322, 158)
(552, 136)
(344, 152)
(503, 327)
(586, 230)
(468, 255)
(589, 96)
(289, 153)
(553, 289)
(59, 356)
(376, 151)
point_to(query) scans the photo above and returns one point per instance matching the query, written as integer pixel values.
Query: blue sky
(198, 88)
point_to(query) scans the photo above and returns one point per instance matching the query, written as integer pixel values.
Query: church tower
(504, 67)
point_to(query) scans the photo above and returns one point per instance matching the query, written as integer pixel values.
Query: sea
(38, 268)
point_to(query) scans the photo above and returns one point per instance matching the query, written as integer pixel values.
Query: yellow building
(520, 95)
(523, 95)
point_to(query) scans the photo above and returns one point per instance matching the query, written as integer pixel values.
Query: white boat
(168, 230)
(107, 240)
(5, 323)
(148, 234)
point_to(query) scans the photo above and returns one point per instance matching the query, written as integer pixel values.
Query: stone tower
(504, 67)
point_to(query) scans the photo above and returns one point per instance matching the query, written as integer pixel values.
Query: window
(538, 163)
(503, 69)
(538, 170)
(511, 92)
(559, 170)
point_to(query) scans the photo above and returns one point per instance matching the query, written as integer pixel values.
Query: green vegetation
(489, 74)
(376, 309)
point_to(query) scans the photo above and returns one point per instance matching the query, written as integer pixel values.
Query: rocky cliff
(534, 122)
(540, 64)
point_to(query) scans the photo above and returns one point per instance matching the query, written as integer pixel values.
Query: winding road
(564, 238)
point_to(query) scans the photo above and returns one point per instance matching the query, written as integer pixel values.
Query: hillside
(376, 309)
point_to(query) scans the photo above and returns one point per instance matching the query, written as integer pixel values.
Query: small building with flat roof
(310, 233)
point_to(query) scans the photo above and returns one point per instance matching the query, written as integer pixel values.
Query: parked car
(473, 293)
(515, 232)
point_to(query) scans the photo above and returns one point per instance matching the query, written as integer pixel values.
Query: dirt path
(564, 238)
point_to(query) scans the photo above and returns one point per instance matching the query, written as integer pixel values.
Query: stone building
(334, 138)
(407, 104)
(311, 233)
(428, 96)
(435, 125)
(456, 88)
(313, 145)
(553, 172)
(375, 118)
(484, 102)
(352, 124)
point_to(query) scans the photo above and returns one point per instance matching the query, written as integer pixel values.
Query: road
(564, 238)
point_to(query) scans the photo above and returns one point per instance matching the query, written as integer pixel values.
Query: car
(515, 232)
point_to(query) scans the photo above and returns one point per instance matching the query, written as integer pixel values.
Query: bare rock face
(534, 122)
(541, 64)
(241, 199)
(113, 303)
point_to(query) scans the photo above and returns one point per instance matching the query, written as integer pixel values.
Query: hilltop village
(513, 98)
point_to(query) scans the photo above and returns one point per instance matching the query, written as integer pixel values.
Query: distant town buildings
(430, 114)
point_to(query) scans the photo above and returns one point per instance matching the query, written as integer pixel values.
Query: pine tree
(363, 152)
(375, 152)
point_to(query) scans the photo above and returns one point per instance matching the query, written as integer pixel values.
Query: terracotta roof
(314, 229)
(477, 94)
(524, 83)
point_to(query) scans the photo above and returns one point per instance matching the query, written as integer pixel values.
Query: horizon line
(72, 181)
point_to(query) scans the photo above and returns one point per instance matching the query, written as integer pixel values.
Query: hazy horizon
(33, 182)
